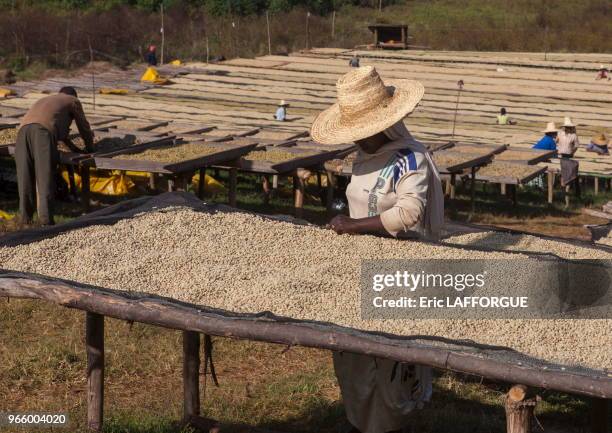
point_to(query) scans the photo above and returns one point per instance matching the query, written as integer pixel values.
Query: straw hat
(567, 123)
(365, 107)
(282, 103)
(550, 127)
(600, 139)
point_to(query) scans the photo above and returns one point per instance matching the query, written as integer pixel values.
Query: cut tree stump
(519, 405)
(94, 340)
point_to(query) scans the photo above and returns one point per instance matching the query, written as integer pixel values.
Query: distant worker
(281, 111)
(151, 57)
(36, 155)
(354, 62)
(503, 119)
(599, 144)
(567, 139)
(602, 74)
(549, 141)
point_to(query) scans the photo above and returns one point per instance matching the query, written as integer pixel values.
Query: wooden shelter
(391, 36)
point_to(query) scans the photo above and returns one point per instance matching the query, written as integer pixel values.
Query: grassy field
(263, 387)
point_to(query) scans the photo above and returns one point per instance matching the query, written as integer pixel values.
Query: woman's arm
(343, 224)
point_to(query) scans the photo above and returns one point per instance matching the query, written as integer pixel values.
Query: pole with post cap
(460, 85)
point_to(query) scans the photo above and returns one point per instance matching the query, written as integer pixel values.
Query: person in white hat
(549, 141)
(567, 139)
(395, 189)
(602, 74)
(281, 111)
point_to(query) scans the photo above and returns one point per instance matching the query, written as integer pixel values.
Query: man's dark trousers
(36, 157)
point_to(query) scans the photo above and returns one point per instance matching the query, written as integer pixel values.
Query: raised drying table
(492, 362)
(290, 157)
(150, 158)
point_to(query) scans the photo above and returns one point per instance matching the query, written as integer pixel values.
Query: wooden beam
(519, 408)
(191, 375)
(94, 340)
(177, 315)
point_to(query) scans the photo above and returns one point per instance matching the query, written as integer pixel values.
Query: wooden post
(599, 416)
(269, 39)
(453, 181)
(85, 187)
(202, 184)
(519, 409)
(307, 30)
(596, 185)
(233, 182)
(502, 189)
(333, 34)
(265, 184)
(331, 184)
(171, 186)
(152, 185)
(473, 190)
(275, 181)
(71, 183)
(94, 341)
(551, 183)
(191, 375)
(163, 36)
(299, 184)
(567, 195)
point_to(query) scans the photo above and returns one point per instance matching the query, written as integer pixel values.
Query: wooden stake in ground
(93, 89)
(191, 375)
(459, 89)
(162, 34)
(94, 340)
(333, 34)
(519, 409)
(307, 30)
(269, 39)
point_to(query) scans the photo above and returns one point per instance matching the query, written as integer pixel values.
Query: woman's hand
(342, 224)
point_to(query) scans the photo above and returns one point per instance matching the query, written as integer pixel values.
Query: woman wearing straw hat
(549, 141)
(599, 144)
(395, 189)
(567, 139)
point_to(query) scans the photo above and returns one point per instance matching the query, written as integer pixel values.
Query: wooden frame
(174, 314)
(509, 180)
(112, 161)
(538, 155)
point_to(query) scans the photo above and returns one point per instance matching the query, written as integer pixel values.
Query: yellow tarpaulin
(6, 215)
(152, 76)
(211, 185)
(176, 62)
(114, 183)
(5, 92)
(107, 91)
